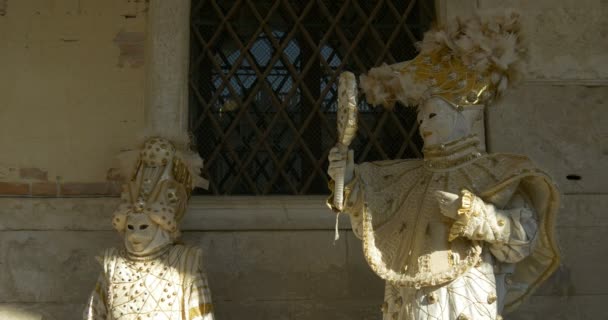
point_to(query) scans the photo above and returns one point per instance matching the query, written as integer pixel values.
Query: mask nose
(421, 125)
(136, 235)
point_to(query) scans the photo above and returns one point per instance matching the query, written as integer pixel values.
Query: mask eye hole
(143, 227)
(432, 115)
(130, 227)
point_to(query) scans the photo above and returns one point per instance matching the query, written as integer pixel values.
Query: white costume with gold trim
(165, 280)
(496, 249)
(168, 285)
(493, 256)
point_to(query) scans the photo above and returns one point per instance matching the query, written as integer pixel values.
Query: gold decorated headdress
(469, 62)
(158, 152)
(161, 183)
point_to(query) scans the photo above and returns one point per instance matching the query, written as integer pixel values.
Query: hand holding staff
(347, 128)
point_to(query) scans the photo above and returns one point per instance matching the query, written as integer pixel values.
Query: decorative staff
(347, 127)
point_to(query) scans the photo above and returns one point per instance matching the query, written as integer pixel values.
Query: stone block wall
(266, 259)
(272, 259)
(559, 118)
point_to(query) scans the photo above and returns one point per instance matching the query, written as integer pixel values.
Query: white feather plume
(487, 40)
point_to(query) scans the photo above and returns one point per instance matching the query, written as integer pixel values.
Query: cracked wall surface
(71, 85)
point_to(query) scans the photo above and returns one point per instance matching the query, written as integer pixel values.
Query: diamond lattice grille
(263, 81)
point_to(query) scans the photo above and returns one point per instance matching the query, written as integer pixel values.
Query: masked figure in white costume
(152, 277)
(460, 234)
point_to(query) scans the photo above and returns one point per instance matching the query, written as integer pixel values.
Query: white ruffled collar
(453, 154)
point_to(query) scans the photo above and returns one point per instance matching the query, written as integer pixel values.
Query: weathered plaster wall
(559, 118)
(71, 86)
(567, 38)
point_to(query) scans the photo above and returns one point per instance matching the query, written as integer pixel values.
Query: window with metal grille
(263, 81)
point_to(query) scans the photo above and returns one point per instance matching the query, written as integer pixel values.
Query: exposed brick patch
(41, 189)
(24, 188)
(131, 45)
(114, 174)
(9, 173)
(14, 188)
(33, 173)
(3, 7)
(84, 189)
(55, 189)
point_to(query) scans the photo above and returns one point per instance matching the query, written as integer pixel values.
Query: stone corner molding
(446, 10)
(167, 58)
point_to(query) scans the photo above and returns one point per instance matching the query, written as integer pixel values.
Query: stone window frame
(166, 111)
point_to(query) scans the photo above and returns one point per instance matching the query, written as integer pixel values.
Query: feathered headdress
(468, 62)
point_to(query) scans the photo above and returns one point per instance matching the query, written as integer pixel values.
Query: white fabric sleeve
(96, 307)
(509, 232)
(198, 295)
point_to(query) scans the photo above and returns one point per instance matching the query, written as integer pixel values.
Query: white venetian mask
(139, 232)
(440, 123)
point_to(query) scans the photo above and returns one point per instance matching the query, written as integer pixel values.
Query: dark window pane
(263, 81)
